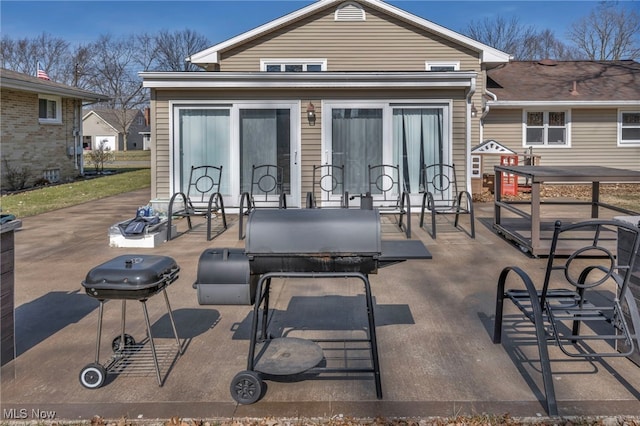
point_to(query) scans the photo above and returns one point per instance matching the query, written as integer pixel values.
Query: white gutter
(567, 103)
(199, 80)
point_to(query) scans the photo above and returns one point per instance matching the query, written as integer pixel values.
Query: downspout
(472, 91)
(77, 136)
(485, 112)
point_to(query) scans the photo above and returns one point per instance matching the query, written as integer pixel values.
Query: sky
(82, 21)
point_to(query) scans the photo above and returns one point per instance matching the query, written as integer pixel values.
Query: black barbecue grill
(128, 277)
(300, 243)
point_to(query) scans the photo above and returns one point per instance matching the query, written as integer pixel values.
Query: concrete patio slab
(434, 328)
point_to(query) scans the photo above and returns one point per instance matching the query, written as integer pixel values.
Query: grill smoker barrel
(313, 240)
(298, 243)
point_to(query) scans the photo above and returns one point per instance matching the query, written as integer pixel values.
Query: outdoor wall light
(474, 111)
(311, 114)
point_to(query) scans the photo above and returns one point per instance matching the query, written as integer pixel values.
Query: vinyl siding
(381, 43)
(593, 139)
(310, 154)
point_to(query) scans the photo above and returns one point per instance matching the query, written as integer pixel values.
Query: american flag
(43, 74)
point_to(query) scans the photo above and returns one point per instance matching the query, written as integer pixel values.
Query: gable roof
(24, 82)
(212, 54)
(565, 82)
(111, 118)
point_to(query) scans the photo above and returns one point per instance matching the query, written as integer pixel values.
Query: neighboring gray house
(106, 125)
(41, 128)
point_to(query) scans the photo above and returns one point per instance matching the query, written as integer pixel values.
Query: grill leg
(265, 309)
(173, 323)
(372, 336)
(122, 325)
(100, 311)
(153, 348)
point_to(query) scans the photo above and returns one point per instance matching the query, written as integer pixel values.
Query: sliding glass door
(236, 137)
(204, 136)
(360, 134)
(418, 139)
(265, 138)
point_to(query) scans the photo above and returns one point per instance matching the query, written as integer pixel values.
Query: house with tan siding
(383, 86)
(41, 128)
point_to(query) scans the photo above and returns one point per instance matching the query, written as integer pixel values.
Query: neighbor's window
(629, 128)
(49, 109)
(545, 128)
(293, 65)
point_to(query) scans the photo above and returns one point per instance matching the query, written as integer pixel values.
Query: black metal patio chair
(328, 183)
(202, 199)
(387, 194)
(441, 196)
(584, 304)
(266, 191)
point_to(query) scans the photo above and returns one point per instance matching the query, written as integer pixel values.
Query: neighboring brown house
(41, 127)
(106, 125)
(384, 86)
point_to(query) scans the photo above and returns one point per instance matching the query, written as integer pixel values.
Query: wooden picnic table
(528, 228)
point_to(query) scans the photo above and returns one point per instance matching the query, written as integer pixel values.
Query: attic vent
(350, 12)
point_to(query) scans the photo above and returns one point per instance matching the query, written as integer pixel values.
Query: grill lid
(132, 271)
(313, 232)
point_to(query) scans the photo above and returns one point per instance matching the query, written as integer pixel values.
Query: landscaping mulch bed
(578, 192)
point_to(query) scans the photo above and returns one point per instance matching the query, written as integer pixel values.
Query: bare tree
(112, 70)
(24, 55)
(607, 33)
(174, 48)
(508, 36)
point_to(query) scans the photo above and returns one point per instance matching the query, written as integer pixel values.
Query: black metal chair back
(441, 196)
(328, 183)
(387, 193)
(266, 185)
(202, 198)
(584, 303)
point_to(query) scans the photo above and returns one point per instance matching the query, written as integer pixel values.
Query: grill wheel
(92, 376)
(246, 387)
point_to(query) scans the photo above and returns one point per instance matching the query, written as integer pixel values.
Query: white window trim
(430, 64)
(620, 142)
(545, 144)
(294, 61)
(58, 101)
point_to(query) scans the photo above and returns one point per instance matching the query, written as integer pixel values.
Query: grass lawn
(33, 202)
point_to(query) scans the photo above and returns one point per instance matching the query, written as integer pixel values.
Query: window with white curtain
(264, 139)
(408, 135)
(418, 139)
(204, 139)
(356, 135)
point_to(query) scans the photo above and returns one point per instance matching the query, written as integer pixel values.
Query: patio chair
(202, 199)
(266, 191)
(583, 304)
(328, 182)
(441, 196)
(385, 194)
